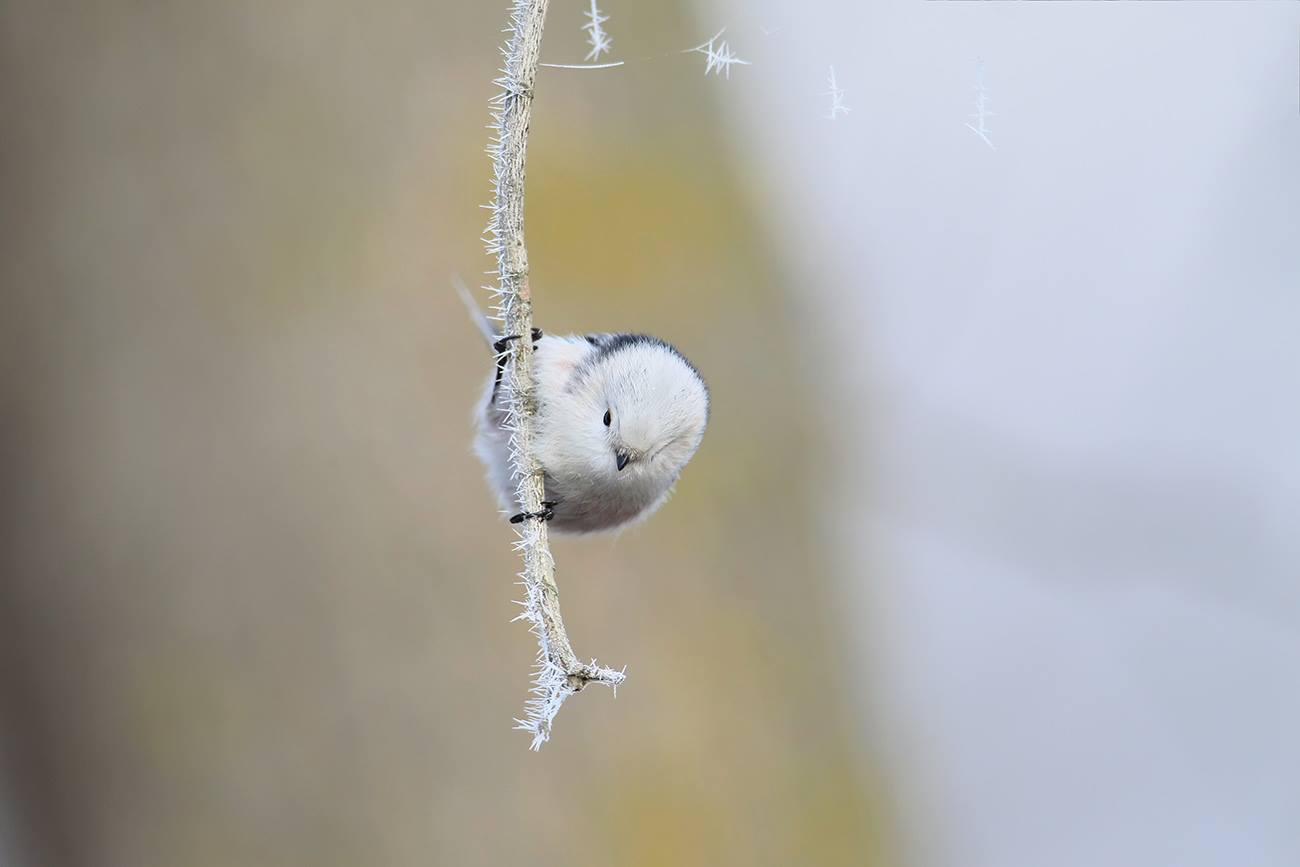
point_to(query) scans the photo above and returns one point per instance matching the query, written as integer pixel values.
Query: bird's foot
(504, 343)
(546, 514)
(500, 348)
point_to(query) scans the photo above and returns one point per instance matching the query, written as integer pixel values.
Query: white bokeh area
(1065, 380)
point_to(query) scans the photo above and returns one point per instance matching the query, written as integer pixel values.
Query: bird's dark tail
(476, 314)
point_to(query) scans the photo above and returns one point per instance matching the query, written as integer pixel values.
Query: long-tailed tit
(618, 417)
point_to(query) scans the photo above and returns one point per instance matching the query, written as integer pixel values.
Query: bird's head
(647, 407)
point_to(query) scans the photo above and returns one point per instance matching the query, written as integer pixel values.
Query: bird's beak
(622, 457)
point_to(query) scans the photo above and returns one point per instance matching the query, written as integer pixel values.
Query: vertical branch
(559, 674)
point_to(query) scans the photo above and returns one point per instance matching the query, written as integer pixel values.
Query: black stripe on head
(616, 342)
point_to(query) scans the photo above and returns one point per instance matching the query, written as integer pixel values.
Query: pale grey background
(1067, 396)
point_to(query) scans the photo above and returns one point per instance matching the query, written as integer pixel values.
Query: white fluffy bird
(618, 417)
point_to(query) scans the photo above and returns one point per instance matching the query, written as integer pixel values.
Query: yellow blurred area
(256, 602)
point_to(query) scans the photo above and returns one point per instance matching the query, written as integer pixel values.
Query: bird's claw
(546, 514)
(504, 343)
(500, 348)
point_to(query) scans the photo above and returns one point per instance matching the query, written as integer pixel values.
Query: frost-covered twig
(836, 93)
(718, 54)
(559, 674)
(597, 38)
(981, 108)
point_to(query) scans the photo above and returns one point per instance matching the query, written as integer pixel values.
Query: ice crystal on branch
(982, 112)
(836, 93)
(597, 38)
(718, 55)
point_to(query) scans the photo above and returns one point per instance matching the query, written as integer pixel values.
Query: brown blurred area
(255, 600)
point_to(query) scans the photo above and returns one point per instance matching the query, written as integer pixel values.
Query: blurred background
(989, 556)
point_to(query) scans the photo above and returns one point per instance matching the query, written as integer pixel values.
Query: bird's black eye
(607, 418)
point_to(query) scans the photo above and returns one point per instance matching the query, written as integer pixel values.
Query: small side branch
(583, 65)
(559, 674)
